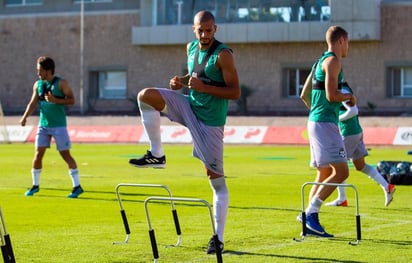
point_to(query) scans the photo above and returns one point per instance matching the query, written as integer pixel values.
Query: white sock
(220, 204)
(376, 176)
(151, 123)
(342, 192)
(74, 174)
(314, 206)
(35, 175)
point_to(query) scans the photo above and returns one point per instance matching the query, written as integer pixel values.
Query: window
(400, 81)
(294, 79)
(111, 84)
(23, 2)
(92, 1)
(170, 12)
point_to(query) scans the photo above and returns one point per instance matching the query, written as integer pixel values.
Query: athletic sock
(376, 176)
(314, 206)
(74, 174)
(151, 123)
(220, 204)
(342, 192)
(35, 175)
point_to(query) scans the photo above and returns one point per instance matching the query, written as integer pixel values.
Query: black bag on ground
(396, 172)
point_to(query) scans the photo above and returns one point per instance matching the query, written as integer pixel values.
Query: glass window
(294, 79)
(112, 84)
(168, 12)
(400, 79)
(92, 1)
(23, 2)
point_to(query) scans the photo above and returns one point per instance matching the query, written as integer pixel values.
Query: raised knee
(141, 94)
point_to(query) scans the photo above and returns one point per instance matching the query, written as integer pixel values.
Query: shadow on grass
(311, 259)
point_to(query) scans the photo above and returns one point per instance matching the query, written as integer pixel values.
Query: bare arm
(306, 95)
(332, 67)
(31, 106)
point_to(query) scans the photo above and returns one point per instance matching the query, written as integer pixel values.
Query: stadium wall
(108, 45)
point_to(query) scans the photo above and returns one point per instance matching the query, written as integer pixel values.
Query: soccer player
(326, 146)
(212, 80)
(52, 93)
(356, 151)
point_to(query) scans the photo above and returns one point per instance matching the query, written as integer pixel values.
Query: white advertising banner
(15, 133)
(403, 136)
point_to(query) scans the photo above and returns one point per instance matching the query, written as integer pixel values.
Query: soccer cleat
(337, 202)
(76, 192)
(313, 233)
(389, 194)
(34, 189)
(211, 249)
(312, 223)
(148, 160)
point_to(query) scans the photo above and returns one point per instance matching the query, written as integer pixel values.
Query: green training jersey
(209, 109)
(350, 126)
(321, 109)
(51, 114)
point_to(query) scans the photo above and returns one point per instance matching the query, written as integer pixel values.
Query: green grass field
(265, 198)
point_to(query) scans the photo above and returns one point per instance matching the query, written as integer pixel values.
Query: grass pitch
(265, 198)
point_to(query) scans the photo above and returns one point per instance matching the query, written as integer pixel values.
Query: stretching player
(212, 81)
(356, 151)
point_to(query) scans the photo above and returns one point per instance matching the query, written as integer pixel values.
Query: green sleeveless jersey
(322, 110)
(350, 126)
(209, 109)
(51, 114)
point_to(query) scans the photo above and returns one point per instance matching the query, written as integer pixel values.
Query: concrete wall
(108, 44)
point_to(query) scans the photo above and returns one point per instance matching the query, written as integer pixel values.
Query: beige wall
(108, 44)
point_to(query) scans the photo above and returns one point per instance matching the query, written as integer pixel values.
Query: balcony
(258, 21)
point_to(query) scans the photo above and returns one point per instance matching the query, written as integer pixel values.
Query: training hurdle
(6, 248)
(180, 199)
(123, 212)
(303, 213)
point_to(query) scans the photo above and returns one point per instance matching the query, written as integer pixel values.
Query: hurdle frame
(303, 213)
(123, 211)
(5, 242)
(179, 199)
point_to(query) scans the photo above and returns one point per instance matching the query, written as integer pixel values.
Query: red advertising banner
(232, 134)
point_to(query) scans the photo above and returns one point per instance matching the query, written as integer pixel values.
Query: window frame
(98, 92)
(23, 3)
(92, 1)
(396, 86)
(298, 79)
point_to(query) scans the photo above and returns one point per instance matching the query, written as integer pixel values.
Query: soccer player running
(356, 151)
(212, 80)
(52, 93)
(326, 146)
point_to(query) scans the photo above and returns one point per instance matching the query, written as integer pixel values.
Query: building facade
(109, 50)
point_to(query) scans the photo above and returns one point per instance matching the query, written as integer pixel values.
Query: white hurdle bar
(180, 199)
(303, 214)
(123, 212)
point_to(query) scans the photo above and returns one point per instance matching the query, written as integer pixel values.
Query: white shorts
(326, 145)
(59, 134)
(207, 140)
(354, 146)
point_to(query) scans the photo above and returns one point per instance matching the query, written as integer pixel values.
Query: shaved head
(203, 16)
